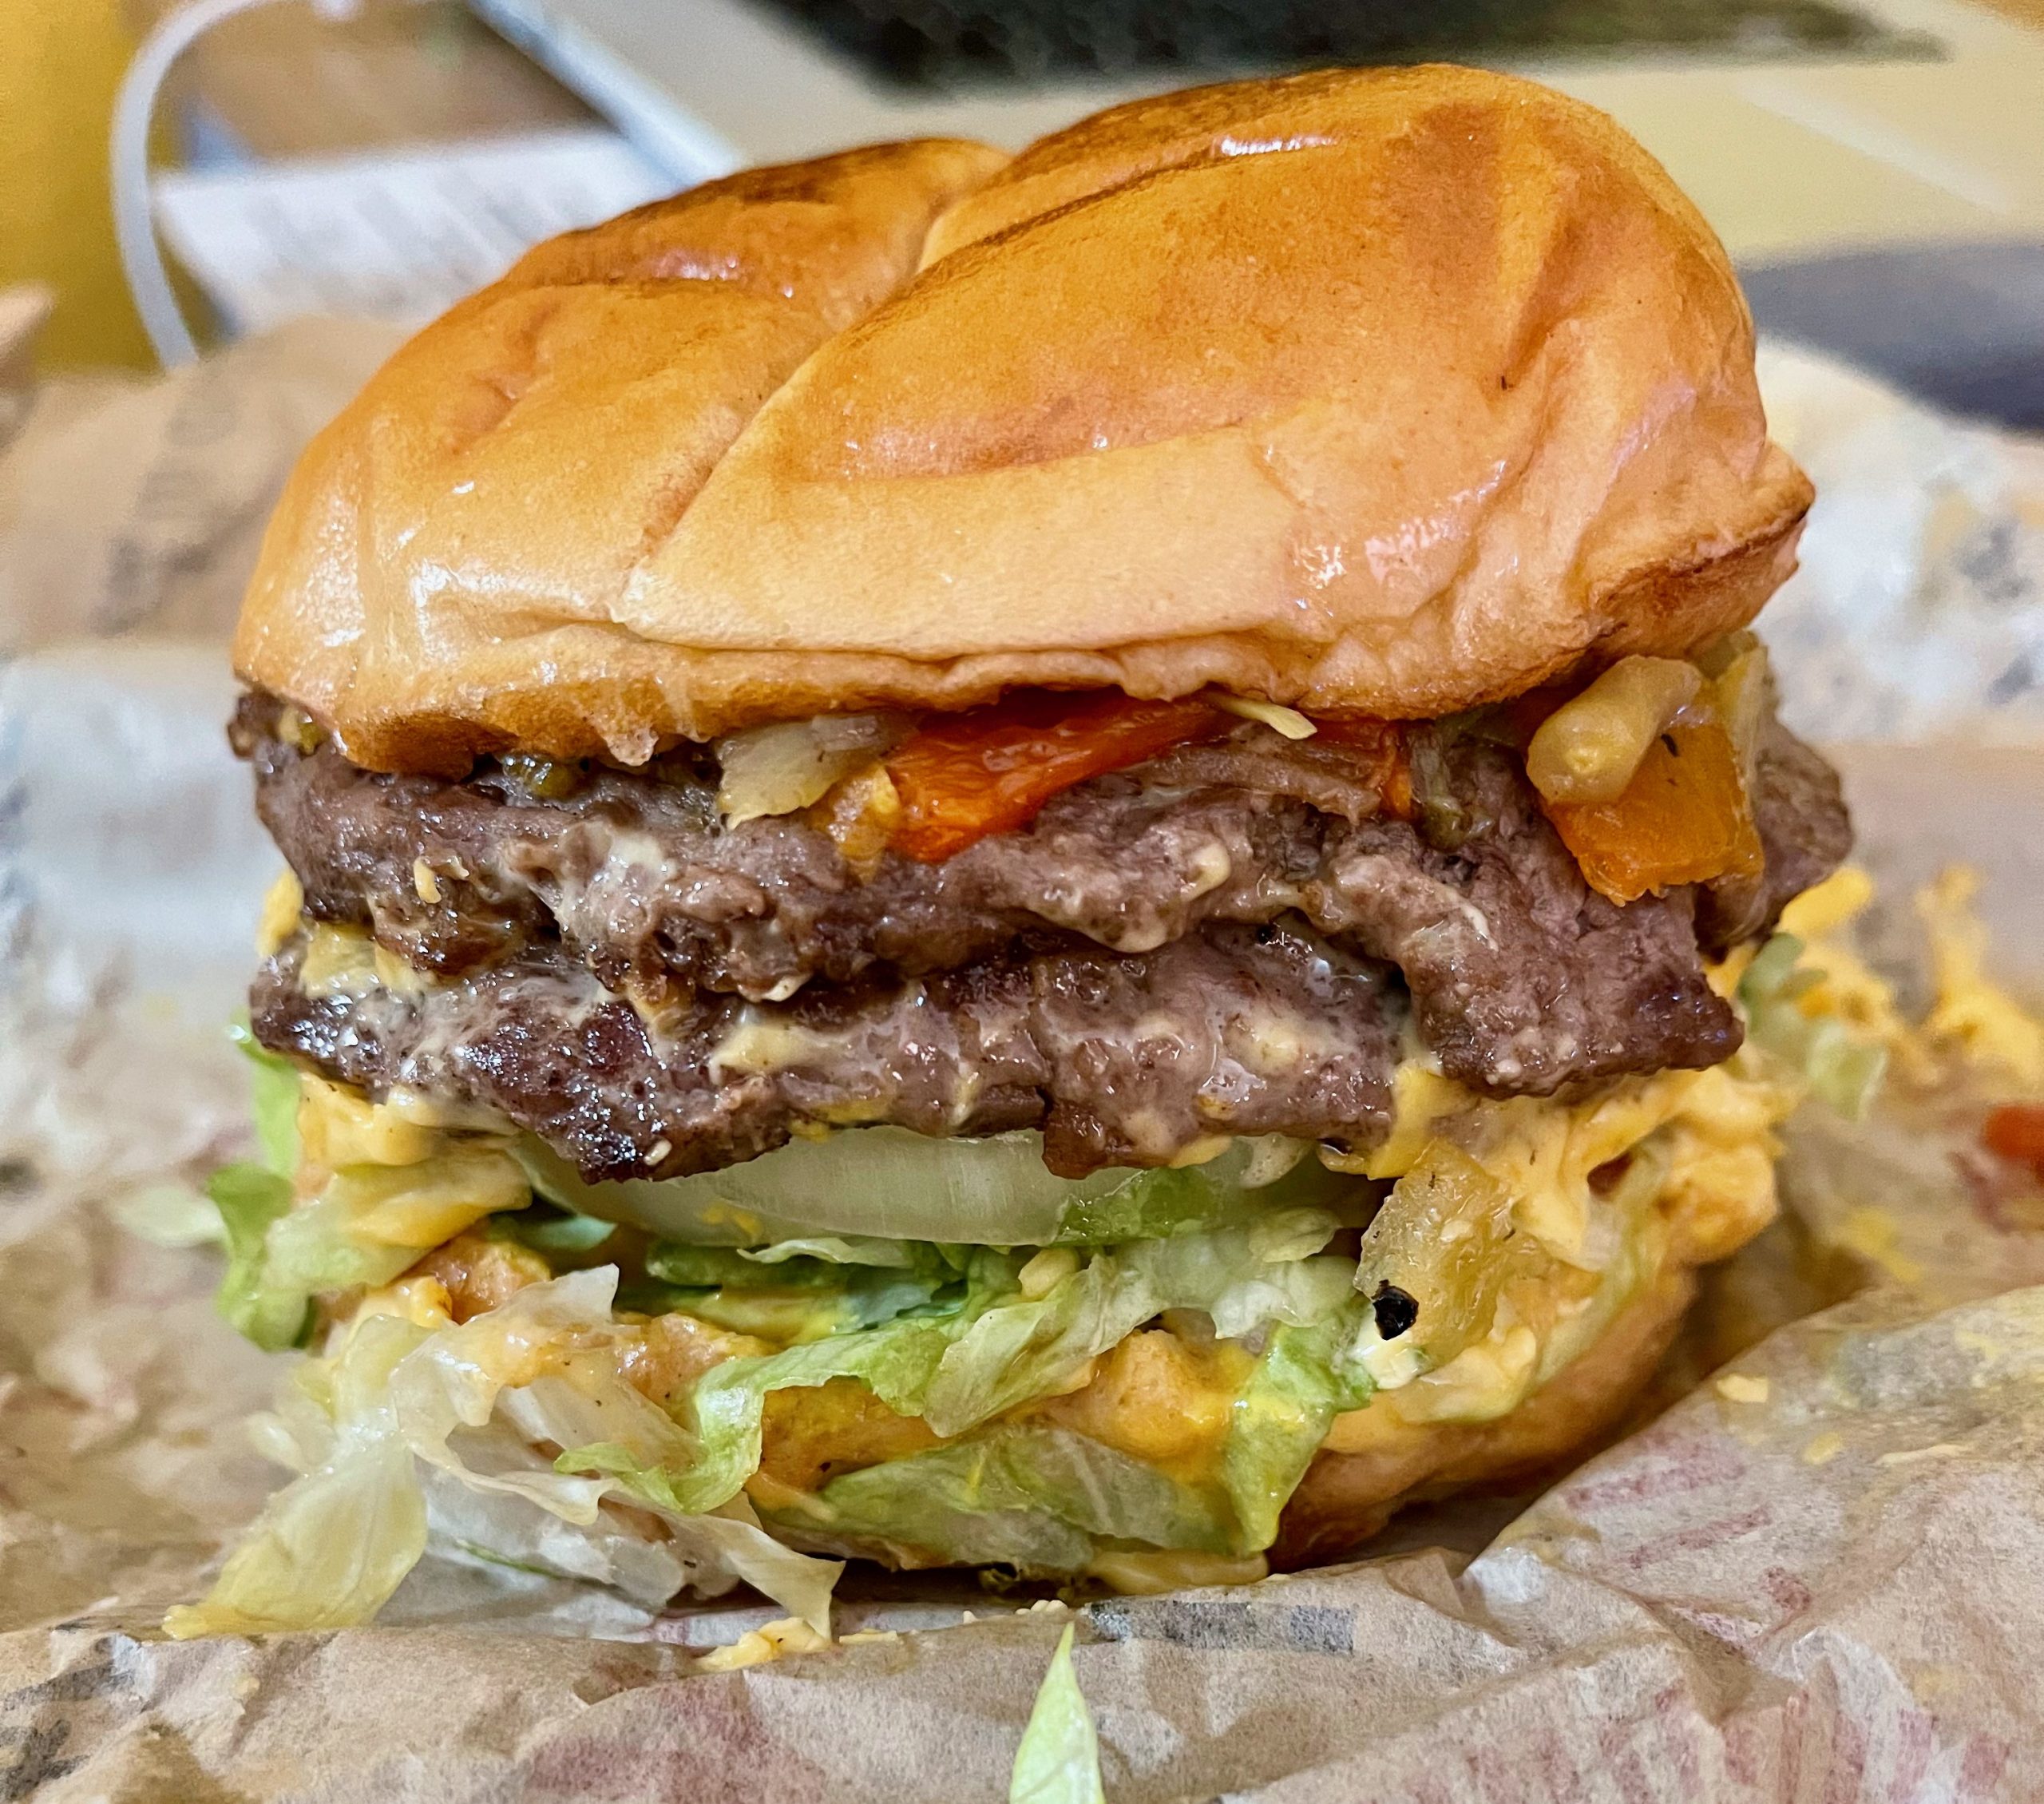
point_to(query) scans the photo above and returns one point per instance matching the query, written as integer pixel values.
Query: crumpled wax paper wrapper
(1818, 1575)
(127, 501)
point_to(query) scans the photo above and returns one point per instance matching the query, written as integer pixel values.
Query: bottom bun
(1384, 1464)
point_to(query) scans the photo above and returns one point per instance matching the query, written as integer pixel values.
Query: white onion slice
(890, 1183)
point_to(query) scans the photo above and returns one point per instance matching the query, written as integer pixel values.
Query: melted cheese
(1974, 1018)
(772, 1642)
(810, 1433)
(339, 1126)
(422, 1204)
(282, 905)
(1421, 1099)
(345, 961)
(1158, 1397)
(757, 1044)
(1698, 1183)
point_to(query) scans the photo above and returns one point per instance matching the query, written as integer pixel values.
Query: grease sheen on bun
(1384, 392)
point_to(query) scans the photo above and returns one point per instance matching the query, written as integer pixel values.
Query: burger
(1045, 863)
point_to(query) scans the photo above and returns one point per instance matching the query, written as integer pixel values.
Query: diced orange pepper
(1684, 818)
(962, 777)
(1381, 744)
(2016, 1132)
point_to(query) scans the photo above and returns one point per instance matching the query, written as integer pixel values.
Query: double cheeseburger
(1033, 863)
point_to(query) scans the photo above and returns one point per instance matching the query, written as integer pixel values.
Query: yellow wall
(60, 63)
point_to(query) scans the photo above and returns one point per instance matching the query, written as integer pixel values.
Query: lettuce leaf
(329, 1548)
(1042, 1499)
(546, 1229)
(1843, 1071)
(980, 1349)
(369, 1225)
(403, 1408)
(832, 1249)
(896, 1362)
(467, 1406)
(280, 1257)
(250, 1198)
(1029, 1496)
(820, 1262)
(273, 1100)
(490, 1373)
(1023, 1349)
(1059, 1760)
(1303, 1381)
(792, 1292)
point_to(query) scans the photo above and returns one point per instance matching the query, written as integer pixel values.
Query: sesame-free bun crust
(1384, 392)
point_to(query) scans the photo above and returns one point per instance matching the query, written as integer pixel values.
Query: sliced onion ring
(891, 1184)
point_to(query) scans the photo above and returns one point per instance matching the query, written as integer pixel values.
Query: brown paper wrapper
(1819, 1574)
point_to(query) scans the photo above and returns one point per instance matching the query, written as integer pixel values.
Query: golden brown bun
(1345, 1497)
(1384, 392)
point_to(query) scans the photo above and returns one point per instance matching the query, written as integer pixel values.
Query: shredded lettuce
(1031, 1496)
(281, 1256)
(496, 1371)
(832, 1249)
(251, 1198)
(401, 1406)
(369, 1224)
(798, 1290)
(1304, 1379)
(1843, 1070)
(547, 1230)
(413, 1425)
(646, 1559)
(1059, 1760)
(984, 1346)
(815, 1262)
(895, 1361)
(329, 1548)
(405, 1411)
(1022, 1349)
(1045, 1500)
(273, 1100)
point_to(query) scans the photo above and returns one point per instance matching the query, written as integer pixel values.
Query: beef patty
(1120, 1060)
(1112, 972)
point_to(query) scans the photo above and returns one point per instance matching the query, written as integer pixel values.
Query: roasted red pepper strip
(990, 770)
(2016, 1132)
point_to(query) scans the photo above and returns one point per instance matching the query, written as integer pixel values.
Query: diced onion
(778, 769)
(1445, 1239)
(1588, 749)
(1739, 695)
(861, 814)
(1279, 719)
(1716, 658)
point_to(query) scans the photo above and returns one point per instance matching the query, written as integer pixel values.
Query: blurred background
(1876, 166)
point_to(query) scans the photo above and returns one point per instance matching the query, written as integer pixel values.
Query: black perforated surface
(952, 43)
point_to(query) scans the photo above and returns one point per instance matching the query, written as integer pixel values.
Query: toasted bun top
(1383, 392)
